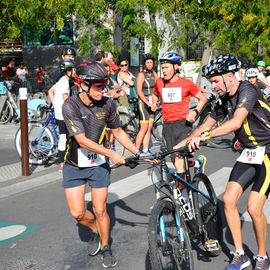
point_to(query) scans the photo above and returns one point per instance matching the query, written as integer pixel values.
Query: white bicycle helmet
(252, 72)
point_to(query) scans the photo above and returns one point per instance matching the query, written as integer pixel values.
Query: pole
(24, 131)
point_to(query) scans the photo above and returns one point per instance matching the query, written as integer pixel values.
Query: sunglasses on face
(99, 86)
(124, 65)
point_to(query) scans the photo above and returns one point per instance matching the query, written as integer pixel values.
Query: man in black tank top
(249, 118)
(145, 86)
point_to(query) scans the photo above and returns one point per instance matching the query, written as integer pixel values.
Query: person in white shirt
(22, 73)
(261, 66)
(58, 93)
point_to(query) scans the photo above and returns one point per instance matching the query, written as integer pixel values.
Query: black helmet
(68, 51)
(148, 56)
(170, 57)
(66, 64)
(222, 64)
(91, 72)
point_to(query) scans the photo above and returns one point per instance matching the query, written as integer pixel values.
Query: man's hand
(194, 144)
(116, 158)
(151, 161)
(191, 117)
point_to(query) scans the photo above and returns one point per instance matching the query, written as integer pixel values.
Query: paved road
(48, 238)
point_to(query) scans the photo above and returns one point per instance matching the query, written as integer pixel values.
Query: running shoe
(108, 260)
(94, 244)
(148, 153)
(261, 263)
(238, 262)
(202, 160)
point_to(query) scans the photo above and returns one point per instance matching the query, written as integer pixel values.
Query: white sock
(145, 150)
(265, 257)
(197, 164)
(240, 251)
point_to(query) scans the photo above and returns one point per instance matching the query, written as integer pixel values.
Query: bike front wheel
(6, 114)
(40, 143)
(168, 240)
(208, 212)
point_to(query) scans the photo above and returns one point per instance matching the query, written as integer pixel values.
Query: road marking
(11, 231)
(29, 184)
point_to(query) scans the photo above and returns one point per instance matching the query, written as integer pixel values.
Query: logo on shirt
(100, 115)
(84, 117)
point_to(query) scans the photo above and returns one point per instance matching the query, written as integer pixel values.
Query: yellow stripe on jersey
(264, 105)
(102, 135)
(248, 132)
(141, 109)
(267, 176)
(148, 85)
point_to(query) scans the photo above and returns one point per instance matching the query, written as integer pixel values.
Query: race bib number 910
(87, 158)
(252, 156)
(172, 95)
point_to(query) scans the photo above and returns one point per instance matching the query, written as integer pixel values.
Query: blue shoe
(238, 262)
(148, 153)
(262, 263)
(202, 160)
(113, 149)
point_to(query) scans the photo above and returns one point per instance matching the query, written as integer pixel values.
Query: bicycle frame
(36, 141)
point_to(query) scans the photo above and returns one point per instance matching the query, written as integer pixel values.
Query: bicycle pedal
(212, 245)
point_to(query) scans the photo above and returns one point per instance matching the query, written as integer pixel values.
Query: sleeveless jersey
(148, 84)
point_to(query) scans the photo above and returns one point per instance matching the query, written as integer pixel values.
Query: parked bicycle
(176, 218)
(219, 143)
(43, 141)
(130, 123)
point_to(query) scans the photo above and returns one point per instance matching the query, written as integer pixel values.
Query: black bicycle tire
(211, 222)
(132, 132)
(42, 158)
(7, 107)
(156, 134)
(154, 251)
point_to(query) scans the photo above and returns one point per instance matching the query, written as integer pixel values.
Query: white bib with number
(87, 158)
(150, 99)
(172, 95)
(252, 156)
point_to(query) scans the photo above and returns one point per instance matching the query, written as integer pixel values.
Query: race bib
(150, 99)
(252, 156)
(172, 95)
(87, 158)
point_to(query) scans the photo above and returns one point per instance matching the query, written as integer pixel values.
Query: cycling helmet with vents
(222, 64)
(91, 72)
(170, 57)
(66, 65)
(252, 72)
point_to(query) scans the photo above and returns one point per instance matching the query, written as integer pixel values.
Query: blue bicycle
(42, 139)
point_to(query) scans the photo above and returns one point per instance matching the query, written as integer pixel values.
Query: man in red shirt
(40, 78)
(10, 70)
(175, 93)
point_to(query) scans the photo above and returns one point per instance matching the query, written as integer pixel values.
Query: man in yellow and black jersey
(249, 118)
(86, 116)
(145, 86)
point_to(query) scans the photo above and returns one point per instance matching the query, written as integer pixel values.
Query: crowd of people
(86, 98)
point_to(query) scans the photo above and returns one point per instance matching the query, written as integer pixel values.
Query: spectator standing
(261, 66)
(10, 71)
(22, 73)
(40, 76)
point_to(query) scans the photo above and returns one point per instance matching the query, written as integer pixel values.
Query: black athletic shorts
(175, 132)
(145, 113)
(245, 174)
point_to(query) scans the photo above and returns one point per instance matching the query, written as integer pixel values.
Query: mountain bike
(176, 218)
(130, 123)
(219, 143)
(42, 141)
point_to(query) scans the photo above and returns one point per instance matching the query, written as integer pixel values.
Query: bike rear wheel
(208, 214)
(130, 127)
(6, 114)
(168, 240)
(40, 142)
(157, 127)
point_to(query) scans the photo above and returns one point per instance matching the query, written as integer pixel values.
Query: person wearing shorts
(175, 93)
(145, 86)
(86, 116)
(249, 119)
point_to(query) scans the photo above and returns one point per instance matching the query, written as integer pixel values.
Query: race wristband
(138, 154)
(196, 111)
(207, 135)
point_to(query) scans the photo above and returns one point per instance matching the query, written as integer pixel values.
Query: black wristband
(195, 110)
(138, 154)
